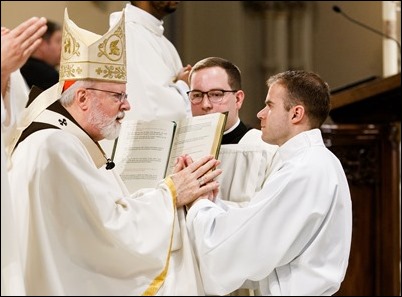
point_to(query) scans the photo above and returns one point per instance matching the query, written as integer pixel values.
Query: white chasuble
(83, 234)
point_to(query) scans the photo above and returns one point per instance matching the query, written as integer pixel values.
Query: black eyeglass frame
(201, 98)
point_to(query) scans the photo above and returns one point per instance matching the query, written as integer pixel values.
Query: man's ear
(239, 98)
(298, 113)
(82, 98)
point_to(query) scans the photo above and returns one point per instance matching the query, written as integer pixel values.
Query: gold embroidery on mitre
(86, 55)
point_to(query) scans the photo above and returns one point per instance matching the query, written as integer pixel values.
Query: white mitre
(86, 55)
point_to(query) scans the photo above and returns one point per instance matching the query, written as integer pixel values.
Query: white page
(142, 152)
(195, 136)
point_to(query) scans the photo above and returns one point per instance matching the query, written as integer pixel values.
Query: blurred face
(107, 107)
(275, 119)
(163, 8)
(53, 48)
(215, 78)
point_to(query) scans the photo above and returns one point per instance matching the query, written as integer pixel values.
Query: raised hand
(18, 44)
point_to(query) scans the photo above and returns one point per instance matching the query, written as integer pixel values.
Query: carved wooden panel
(370, 157)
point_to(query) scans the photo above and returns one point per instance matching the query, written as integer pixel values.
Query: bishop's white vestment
(81, 232)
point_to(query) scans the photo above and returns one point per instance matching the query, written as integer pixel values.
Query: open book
(145, 152)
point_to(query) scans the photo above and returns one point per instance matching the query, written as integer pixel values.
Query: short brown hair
(233, 72)
(307, 89)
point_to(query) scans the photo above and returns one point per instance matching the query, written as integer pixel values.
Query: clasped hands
(195, 180)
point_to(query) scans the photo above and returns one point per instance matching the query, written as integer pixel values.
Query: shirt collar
(233, 127)
(300, 141)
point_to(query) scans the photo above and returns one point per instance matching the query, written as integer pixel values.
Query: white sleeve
(245, 170)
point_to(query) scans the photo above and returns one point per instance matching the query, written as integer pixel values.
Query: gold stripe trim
(159, 280)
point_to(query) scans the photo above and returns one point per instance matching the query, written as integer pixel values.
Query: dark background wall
(324, 42)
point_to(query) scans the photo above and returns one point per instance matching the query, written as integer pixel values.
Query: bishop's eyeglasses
(214, 96)
(119, 97)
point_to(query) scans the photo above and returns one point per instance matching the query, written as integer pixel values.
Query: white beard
(108, 126)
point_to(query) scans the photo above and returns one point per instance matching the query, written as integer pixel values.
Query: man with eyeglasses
(82, 232)
(215, 86)
(246, 160)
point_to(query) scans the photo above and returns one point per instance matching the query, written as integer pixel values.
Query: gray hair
(67, 97)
